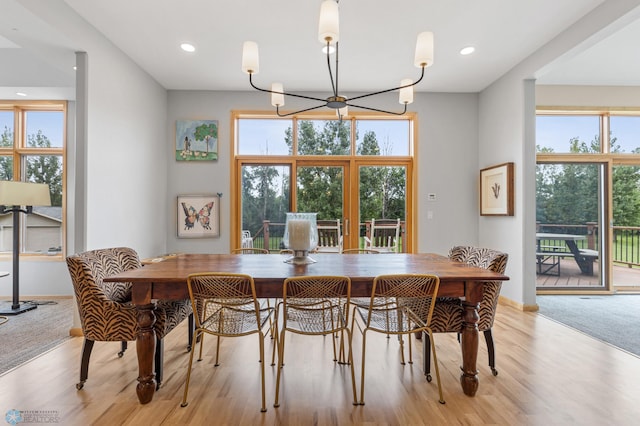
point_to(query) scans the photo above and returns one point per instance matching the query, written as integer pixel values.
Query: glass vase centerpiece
(301, 237)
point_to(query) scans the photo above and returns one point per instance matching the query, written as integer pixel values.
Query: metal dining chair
(225, 305)
(386, 315)
(315, 306)
(250, 250)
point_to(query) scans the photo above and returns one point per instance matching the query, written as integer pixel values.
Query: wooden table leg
(146, 347)
(469, 339)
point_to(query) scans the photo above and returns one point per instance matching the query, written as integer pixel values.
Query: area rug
(613, 319)
(27, 335)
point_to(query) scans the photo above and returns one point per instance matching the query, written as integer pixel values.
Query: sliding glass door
(571, 242)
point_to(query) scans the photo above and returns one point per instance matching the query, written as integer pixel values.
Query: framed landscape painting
(196, 140)
(198, 216)
(496, 190)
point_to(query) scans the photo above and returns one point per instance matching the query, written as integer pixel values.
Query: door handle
(346, 227)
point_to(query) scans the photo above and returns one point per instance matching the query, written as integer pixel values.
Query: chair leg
(84, 363)
(158, 362)
(192, 327)
(276, 403)
(429, 334)
(186, 384)
(123, 348)
(426, 350)
(488, 337)
(364, 351)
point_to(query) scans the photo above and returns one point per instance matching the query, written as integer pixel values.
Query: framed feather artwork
(496, 190)
(198, 216)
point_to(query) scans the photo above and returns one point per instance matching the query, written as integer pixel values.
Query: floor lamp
(16, 198)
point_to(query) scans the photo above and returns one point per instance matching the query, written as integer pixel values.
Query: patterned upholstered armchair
(447, 315)
(105, 309)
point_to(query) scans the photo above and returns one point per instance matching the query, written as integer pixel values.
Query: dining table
(166, 279)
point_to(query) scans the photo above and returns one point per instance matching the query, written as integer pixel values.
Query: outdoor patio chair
(384, 236)
(329, 236)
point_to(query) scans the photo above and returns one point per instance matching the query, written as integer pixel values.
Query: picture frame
(198, 216)
(196, 140)
(496, 190)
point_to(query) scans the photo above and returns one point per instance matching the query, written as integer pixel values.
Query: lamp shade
(250, 57)
(329, 25)
(406, 93)
(277, 99)
(424, 50)
(24, 194)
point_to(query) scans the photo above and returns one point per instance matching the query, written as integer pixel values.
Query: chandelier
(328, 34)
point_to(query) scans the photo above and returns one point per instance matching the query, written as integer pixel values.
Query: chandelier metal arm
(334, 86)
(389, 90)
(379, 110)
(283, 93)
(297, 112)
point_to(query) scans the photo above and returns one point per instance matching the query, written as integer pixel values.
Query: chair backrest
(329, 236)
(385, 235)
(305, 298)
(98, 300)
(227, 296)
(250, 250)
(492, 260)
(416, 293)
(360, 251)
(246, 241)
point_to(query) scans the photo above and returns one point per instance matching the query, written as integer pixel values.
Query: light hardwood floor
(548, 375)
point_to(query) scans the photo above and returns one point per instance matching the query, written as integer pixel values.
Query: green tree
(6, 161)
(320, 188)
(565, 193)
(45, 168)
(206, 132)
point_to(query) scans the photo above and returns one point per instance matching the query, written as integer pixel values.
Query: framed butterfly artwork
(496, 190)
(198, 216)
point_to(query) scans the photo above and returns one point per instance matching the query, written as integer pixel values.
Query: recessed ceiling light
(21, 94)
(187, 47)
(467, 50)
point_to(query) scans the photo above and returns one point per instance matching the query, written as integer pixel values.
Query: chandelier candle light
(301, 236)
(328, 34)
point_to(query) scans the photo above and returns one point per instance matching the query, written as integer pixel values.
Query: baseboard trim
(520, 306)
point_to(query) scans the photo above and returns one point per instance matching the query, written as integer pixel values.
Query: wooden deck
(625, 279)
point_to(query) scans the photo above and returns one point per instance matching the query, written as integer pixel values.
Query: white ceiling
(377, 41)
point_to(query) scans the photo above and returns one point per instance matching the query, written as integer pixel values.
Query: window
(588, 175)
(352, 170)
(32, 141)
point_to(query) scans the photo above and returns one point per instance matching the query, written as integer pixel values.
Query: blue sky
(50, 122)
(266, 136)
(556, 131)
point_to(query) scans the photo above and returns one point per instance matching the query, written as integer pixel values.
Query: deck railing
(626, 239)
(270, 235)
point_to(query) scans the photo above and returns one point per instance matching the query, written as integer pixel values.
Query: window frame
(20, 151)
(353, 159)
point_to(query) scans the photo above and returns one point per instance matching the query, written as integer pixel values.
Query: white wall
(588, 96)
(507, 133)
(447, 164)
(126, 180)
